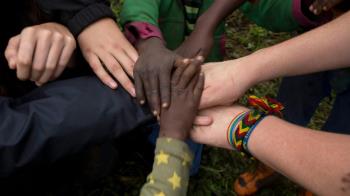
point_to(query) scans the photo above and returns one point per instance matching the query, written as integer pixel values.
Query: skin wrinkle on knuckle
(28, 30)
(38, 68)
(45, 33)
(23, 62)
(57, 36)
(115, 68)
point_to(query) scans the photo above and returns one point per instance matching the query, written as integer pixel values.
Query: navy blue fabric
(301, 96)
(63, 118)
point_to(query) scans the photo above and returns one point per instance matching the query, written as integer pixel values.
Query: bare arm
(319, 161)
(202, 38)
(324, 48)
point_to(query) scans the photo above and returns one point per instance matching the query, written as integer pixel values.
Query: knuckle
(116, 47)
(71, 41)
(115, 68)
(38, 68)
(50, 67)
(23, 62)
(28, 30)
(45, 33)
(94, 66)
(11, 40)
(57, 36)
(8, 54)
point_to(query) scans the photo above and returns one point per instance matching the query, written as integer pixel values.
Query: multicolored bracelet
(242, 126)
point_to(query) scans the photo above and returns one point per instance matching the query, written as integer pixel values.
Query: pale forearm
(317, 160)
(324, 48)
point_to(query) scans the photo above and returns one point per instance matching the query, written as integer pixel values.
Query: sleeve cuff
(305, 21)
(88, 16)
(135, 31)
(176, 148)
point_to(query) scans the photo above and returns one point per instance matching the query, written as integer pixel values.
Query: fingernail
(200, 58)
(186, 61)
(113, 85)
(155, 113)
(164, 105)
(133, 92)
(142, 102)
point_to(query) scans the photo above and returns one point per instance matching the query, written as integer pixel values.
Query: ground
(219, 167)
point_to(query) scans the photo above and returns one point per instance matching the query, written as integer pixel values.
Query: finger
(118, 73)
(164, 82)
(52, 61)
(148, 89)
(41, 54)
(131, 52)
(11, 51)
(192, 84)
(203, 121)
(177, 74)
(154, 95)
(188, 74)
(140, 94)
(200, 58)
(125, 61)
(198, 90)
(25, 53)
(99, 70)
(181, 62)
(66, 55)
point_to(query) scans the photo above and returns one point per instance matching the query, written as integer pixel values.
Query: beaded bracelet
(242, 126)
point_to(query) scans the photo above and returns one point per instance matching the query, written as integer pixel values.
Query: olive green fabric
(171, 167)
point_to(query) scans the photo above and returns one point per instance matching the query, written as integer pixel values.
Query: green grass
(219, 167)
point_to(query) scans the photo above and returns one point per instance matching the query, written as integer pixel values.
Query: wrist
(149, 44)
(179, 135)
(261, 134)
(242, 127)
(256, 66)
(206, 25)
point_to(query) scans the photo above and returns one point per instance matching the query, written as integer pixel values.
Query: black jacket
(76, 14)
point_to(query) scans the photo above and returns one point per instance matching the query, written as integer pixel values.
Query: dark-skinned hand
(198, 41)
(152, 73)
(187, 84)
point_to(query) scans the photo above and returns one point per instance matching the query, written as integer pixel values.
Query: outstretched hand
(109, 53)
(187, 83)
(153, 72)
(225, 82)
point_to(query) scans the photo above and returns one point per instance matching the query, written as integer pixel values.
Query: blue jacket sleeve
(63, 118)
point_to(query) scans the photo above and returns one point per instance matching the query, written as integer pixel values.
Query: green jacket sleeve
(140, 11)
(170, 174)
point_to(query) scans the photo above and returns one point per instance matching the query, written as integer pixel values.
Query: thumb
(203, 121)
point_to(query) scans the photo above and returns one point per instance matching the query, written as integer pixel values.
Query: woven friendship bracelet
(242, 126)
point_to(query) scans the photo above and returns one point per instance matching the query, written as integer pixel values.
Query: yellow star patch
(175, 181)
(151, 179)
(169, 140)
(162, 158)
(186, 160)
(159, 194)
